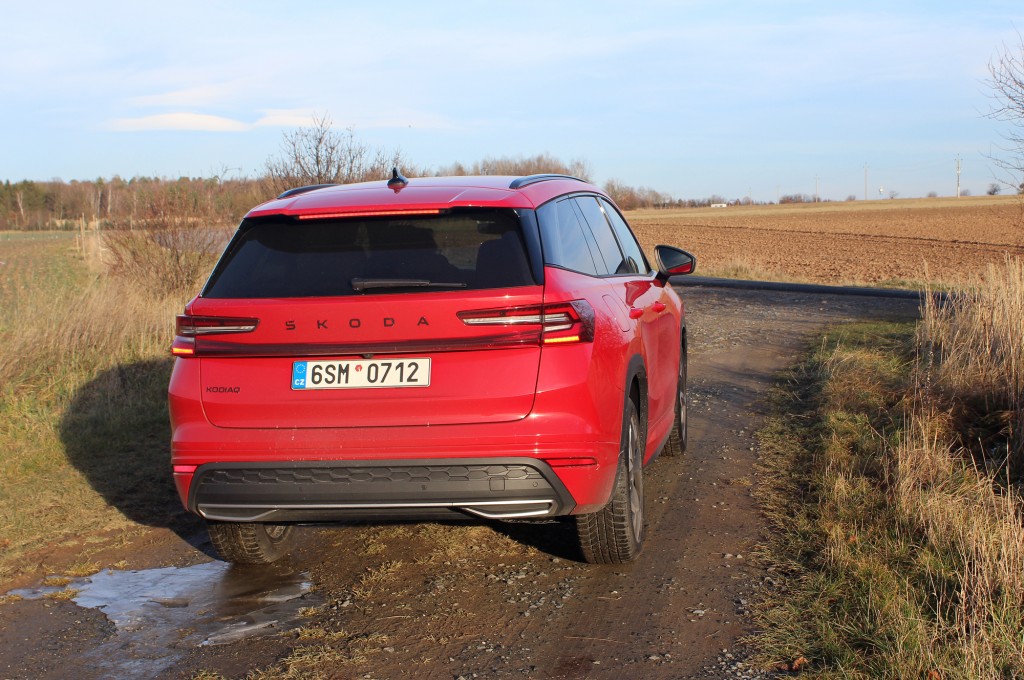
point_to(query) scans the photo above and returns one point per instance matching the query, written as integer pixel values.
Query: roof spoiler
(533, 179)
(301, 190)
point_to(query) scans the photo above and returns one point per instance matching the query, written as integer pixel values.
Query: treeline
(318, 154)
(141, 202)
(120, 203)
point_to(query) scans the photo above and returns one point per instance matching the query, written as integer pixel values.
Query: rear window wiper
(366, 284)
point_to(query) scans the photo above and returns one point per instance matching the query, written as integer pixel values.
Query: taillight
(188, 327)
(563, 322)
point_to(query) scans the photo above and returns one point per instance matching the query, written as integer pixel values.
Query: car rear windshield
(288, 258)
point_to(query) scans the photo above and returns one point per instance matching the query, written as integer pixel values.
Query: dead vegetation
(82, 399)
(903, 553)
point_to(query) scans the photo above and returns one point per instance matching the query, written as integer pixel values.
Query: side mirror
(673, 262)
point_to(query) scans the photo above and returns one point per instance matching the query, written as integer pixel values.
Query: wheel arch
(636, 391)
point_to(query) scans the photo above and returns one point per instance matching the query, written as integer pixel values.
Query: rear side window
(634, 254)
(607, 245)
(287, 258)
(567, 243)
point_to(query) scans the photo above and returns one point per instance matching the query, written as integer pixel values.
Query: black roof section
(521, 182)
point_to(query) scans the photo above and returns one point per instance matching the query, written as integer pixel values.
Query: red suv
(474, 347)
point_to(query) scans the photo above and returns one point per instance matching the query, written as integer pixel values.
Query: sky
(691, 98)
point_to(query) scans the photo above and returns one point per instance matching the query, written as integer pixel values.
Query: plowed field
(854, 242)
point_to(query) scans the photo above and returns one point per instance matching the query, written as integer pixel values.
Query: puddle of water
(161, 613)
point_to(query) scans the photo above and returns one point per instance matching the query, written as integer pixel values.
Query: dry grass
(206, 675)
(451, 542)
(377, 578)
(66, 594)
(316, 661)
(975, 351)
(83, 377)
(902, 557)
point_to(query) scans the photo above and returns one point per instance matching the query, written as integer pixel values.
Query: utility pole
(958, 176)
(865, 181)
(817, 197)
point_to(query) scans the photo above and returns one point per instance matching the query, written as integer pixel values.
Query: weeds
(974, 353)
(375, 578)
(83, 420)
(312, 662)
(66, 594)
(901, 556)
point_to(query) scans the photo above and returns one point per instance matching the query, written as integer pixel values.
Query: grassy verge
(895, 555)
(83, 416)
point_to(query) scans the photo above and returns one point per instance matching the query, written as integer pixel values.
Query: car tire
(615, 534)
(251, 543)
(676, 444)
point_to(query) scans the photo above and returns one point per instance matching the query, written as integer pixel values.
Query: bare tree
(632, 198)
(519, 165)
(1006, 81)
(319, 154)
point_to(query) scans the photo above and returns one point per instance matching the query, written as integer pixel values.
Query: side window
(565, 244)
(606, 243)
(626, 239)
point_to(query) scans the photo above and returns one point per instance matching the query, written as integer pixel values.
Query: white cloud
(204, 95)
(285, 118)
(202, 122)
(195, 122)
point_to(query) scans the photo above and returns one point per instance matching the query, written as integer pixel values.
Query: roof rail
(521, 182)
(301, 190)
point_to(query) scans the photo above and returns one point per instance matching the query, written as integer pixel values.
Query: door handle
(635, 312)
(658, 307)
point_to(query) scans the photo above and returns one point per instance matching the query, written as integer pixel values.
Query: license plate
(340, 374)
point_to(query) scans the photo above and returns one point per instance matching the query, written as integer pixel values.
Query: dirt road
(450, 601)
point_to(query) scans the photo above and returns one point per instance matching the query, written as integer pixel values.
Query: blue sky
(690, 98)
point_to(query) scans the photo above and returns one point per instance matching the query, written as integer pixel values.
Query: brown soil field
(888, 242)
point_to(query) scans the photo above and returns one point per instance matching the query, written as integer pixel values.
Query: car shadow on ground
(116, 432)
(555, 537)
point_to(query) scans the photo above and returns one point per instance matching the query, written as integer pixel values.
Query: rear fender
(636, 388)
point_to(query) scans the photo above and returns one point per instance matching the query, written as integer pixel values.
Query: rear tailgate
(428, 366)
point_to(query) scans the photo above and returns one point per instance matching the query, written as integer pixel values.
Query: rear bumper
(325, 491)
(571, 439)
